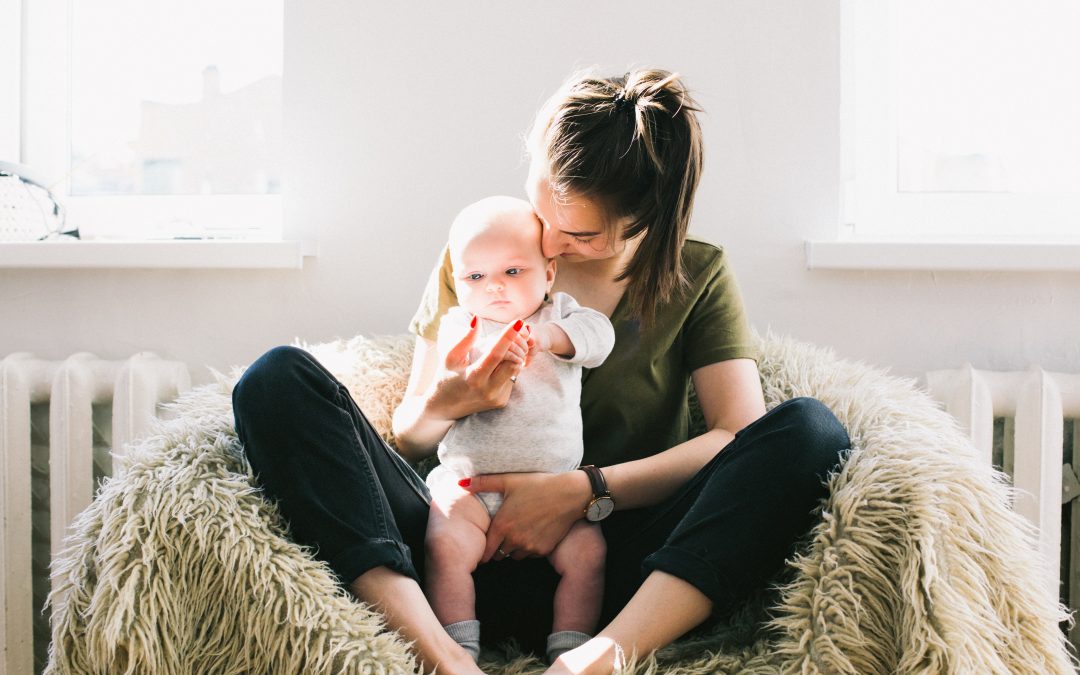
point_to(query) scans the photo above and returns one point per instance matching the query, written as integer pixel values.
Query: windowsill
(943, 256)
(213, 254)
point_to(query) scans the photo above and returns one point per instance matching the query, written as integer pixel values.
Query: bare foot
(464, 666)
(598, 656)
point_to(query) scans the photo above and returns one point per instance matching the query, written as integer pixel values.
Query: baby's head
(500, 272)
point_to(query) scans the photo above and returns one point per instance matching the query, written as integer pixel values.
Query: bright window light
(176, 97)
(959, 120)
(156, 119)
(988, 96)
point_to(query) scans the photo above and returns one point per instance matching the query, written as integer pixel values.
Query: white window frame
(872, 209)
(42, 113)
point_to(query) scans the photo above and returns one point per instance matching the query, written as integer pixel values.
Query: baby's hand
(537, 341)
(549, 337)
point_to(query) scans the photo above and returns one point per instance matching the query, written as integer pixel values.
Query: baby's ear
(550, 272)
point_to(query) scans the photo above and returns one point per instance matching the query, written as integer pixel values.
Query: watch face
(600, 508)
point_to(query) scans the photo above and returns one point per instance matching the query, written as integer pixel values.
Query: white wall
(398, 114)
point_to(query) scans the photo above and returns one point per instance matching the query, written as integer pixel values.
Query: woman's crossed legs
(348, 495)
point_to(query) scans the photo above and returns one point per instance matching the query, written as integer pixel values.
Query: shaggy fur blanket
(917, 563)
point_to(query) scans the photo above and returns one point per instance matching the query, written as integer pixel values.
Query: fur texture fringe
(916, 566)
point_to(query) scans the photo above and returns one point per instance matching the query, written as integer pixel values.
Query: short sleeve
(717, 328)
(438, 298)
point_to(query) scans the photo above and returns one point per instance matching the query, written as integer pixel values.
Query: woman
(696, 524)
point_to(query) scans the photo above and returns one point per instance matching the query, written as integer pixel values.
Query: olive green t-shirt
(635, 404)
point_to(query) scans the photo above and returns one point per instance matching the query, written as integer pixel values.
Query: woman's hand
(445, 387)
(462, 388)
(537, 511)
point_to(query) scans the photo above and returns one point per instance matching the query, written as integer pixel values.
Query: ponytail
(633, 144)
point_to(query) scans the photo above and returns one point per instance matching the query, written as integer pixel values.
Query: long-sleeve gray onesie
(540, 427)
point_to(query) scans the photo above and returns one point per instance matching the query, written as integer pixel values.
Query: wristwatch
(602, 504)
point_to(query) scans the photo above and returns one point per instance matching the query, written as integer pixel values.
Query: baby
(501, 276)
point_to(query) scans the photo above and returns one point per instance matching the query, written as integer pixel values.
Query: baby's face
(501, 273)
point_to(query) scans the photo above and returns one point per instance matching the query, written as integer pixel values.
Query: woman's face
(574, 227)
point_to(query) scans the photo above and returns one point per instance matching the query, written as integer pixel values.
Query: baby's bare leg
(455, 540)
(579, 559)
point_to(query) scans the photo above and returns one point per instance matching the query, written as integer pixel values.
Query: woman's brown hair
(632, 143)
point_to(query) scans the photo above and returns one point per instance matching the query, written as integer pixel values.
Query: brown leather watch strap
(597, 480)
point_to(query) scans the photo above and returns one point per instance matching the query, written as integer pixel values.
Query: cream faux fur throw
(917, 564)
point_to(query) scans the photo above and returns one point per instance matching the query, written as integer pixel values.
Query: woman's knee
(815, 437)
(271, 379)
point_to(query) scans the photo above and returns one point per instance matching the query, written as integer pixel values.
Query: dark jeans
(349, 496)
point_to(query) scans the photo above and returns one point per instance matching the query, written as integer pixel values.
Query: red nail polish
(472, 324)
(518, 324)
(465, 482)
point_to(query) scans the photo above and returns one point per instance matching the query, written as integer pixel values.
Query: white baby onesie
(540, 427)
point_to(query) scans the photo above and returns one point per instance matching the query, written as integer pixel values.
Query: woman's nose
(550, 243)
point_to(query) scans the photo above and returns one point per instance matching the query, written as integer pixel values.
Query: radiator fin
(59, 423)
(1025, 423)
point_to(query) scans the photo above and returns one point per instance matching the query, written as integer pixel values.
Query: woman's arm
(666, 606)
(442, 389)
(731, 398)
(544, 506)
(417, 430)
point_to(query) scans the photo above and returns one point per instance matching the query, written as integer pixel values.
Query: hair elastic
(621, 101)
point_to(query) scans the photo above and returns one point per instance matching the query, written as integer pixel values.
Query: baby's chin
(501, 317)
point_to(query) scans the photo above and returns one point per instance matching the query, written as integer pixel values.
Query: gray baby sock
(466, 634)
(564, 641)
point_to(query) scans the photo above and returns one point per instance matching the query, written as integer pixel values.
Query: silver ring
(513, 378)
(501, 552)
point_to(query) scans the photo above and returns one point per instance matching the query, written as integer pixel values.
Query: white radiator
(75, 394)
(1035, 407)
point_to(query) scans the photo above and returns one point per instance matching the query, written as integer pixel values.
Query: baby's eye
(514, 271)
(475, 276)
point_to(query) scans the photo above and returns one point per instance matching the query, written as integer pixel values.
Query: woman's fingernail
(472, 324)
(518, 324)
(465, 482)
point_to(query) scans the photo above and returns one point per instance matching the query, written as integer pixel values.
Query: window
(156, 118)
(959, 120)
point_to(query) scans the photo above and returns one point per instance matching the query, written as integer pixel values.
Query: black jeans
(350, 497)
